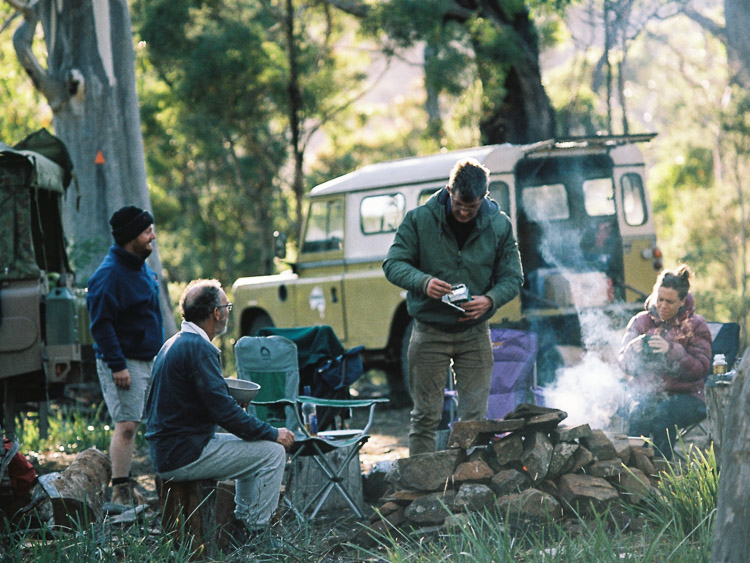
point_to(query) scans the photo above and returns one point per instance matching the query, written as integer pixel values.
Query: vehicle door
(318, 293)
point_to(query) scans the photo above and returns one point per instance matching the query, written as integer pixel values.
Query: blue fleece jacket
(188, 399)
(123, 304)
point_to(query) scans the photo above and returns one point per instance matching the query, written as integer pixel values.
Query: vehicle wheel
(259, 322)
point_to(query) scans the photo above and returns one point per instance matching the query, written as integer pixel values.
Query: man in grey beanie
(126, 323)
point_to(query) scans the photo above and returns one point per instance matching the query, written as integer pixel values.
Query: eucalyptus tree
(495, 42)
(88, 80)
(238, 90)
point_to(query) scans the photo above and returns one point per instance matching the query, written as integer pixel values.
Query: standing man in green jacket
(459, 236)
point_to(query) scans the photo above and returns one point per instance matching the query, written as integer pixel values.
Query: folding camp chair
(272, 361)
(324, 365)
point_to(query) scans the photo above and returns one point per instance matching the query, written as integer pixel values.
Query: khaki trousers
(432, 353)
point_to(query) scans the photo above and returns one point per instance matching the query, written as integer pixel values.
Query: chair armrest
(341, 403)
(278, 402)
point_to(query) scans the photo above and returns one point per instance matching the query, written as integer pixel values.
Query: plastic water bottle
(309, 415)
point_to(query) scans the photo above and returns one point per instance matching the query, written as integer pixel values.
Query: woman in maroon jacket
(667, 348)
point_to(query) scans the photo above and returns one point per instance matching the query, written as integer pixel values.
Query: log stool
(199, 510)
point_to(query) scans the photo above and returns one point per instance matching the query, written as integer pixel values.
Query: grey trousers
(257, 466)
(431, 354)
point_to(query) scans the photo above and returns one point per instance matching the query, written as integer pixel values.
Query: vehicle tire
(259, 321)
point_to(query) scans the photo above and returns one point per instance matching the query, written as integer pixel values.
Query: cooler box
(514, 353)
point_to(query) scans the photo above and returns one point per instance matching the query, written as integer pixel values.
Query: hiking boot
(126, 494)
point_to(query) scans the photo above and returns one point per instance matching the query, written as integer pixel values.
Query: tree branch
(708, 24)
(54, 90)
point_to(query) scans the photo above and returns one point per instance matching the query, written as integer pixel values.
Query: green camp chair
(271, 361)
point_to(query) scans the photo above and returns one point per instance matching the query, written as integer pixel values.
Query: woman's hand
(658, 345)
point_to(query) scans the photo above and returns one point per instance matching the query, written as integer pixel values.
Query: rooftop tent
(31, 234)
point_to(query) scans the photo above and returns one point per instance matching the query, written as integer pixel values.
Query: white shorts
(126, 405)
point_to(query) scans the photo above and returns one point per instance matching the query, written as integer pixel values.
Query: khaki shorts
(126, 405)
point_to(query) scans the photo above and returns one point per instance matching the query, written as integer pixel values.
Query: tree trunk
(737, 16)
(731, 540)
(89, 82)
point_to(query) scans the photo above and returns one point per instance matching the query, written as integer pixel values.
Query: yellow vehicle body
(559, 188)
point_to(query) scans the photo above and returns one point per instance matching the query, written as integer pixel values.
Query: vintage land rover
(581, 214)
(41, 325)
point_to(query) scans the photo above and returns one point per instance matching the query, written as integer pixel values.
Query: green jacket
(489, 263)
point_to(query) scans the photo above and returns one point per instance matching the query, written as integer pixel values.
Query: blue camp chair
(513, 371)
(271, 361)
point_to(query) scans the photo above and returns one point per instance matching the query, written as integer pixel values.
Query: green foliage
(87, 542)
(71, 430)
(24, 109)
(488, 537)
(685, 501)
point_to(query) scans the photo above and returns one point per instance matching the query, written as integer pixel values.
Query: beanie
(129, 222)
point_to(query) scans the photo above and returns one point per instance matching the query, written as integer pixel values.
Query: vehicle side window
(381, 213)
(425, 195)
(548, 202)
(633, 199)
(500, 192)
(325, 226)
(599, 197)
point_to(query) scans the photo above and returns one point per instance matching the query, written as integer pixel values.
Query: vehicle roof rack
(593, 141)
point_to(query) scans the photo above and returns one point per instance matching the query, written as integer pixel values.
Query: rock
(621, 444)
(607, 468)
(384, 510)
(507, 450)
(509, 481)
(530, 505)
(472, 497)
(472, 471)
(581, 459)
(585, 492)
(545, 422)
(465, 434)
(374, 484)
(456, 522)
(643, 462)
(404, 497)
(570, 433)
(599, 445)
(536, 455)
(562, 460)
(424, 472)
(633, 485)
(433, 508)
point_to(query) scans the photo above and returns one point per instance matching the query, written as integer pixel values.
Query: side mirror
(279, 244)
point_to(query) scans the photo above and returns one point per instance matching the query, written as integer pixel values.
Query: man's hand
(122, 378)
(285, 438)
(437, 288)
(475, 308)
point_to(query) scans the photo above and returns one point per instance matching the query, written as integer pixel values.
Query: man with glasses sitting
(459, 236)
(189, 399)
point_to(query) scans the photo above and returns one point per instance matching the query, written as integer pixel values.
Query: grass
(72, 429)
(675, 523)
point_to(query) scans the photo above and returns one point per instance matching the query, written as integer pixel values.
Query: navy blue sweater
(123, 304)
(188, 399)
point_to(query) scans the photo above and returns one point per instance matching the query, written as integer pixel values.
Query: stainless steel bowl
(242, 391)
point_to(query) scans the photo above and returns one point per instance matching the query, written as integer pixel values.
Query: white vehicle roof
(497, 158)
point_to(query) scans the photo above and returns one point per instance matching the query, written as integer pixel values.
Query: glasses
(228, 306)
(462, 208)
